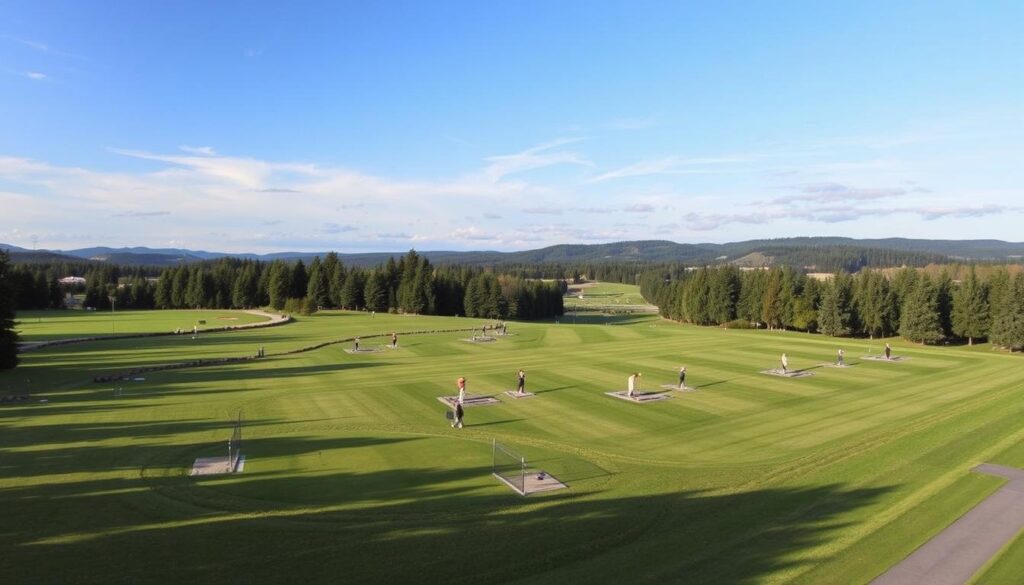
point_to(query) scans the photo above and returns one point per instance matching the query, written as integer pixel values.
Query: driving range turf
(353, 475)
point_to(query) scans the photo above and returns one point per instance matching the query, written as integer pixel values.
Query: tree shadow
(450, 525)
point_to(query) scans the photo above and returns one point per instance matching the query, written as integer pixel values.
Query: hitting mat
(215, 465)
(471, 400)
(882, 358)
(640, 397)
(542, 482)
(480, 339)
(832, 365)
(515, 394)
(677, 388)
(789, 374)
(365, 350)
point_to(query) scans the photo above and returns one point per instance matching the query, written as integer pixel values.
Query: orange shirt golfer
(461, 384)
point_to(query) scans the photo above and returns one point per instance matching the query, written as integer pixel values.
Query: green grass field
(600, 294)
(50, 325)
(352, 475)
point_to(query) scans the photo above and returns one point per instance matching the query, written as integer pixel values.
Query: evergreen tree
(834, 312)
(772, 305)
(335, 273)
(319, 290)
(375, 293)
(8, 336)
(280, 285)
(299, 281)
(352, 291)
(919, 316)
(243, 293)
(970, 309)
(998, 291)
(805, 312)
(1008, 323)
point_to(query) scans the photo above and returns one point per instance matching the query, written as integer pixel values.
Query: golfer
(461, 384)
(888, 352)
(521, 382)
(632, 384)
(785, 364)
(839, 357)
(394, 340)
(682, 377)
(355, 341)
(457, 421)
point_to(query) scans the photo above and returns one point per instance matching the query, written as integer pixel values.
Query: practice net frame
(509, 466)
(235, 445)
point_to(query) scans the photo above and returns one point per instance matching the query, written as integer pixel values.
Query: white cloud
(674, 165)
(200, 150)
(537, 157)
(35, 75)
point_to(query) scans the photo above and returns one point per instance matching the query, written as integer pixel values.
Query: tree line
(914, 304)
(410, 285)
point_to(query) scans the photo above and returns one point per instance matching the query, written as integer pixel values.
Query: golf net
(235, 444)
(509, 466)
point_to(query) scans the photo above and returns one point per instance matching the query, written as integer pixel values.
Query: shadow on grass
(450, 525)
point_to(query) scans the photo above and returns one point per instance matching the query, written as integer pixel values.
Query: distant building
(72, 280)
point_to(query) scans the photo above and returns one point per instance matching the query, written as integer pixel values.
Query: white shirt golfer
(631, 384)
(785, 363)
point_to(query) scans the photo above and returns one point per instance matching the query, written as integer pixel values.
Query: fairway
(36, 326)
(352, 474)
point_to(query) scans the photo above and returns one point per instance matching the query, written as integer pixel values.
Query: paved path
(958, 552)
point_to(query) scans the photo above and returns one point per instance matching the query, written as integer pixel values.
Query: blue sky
(480, 125)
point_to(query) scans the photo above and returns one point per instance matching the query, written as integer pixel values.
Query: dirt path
(958, 552)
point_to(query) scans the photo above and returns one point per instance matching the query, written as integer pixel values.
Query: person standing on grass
(394, 340)
(355, 342)
(888, 351)
(839, 357)
(521, 382)
(632, 384)
(785, 364)
(461, 384)
(682, 377)
(458, 413)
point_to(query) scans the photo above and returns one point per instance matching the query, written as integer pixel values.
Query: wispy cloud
(334, 228)
(638, 208)
(540, 156)
(200, 150)
(544, 210)
(491, 216)
(279, 190)
(142, 214)
(35, 75)
(828, 192)
(252, 53)
(674, 165)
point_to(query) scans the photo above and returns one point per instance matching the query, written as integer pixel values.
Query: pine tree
(352, 291)
(970, 309)
(772, 306)
(834, 312)
(375, 293)
(919, 316)
(279, 285)
(335, 273)
(318, 290)
(8, 335)
(1008, 322)
(299, 281)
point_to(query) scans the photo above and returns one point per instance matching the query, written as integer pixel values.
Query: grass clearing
(353, 475)
(52, 325)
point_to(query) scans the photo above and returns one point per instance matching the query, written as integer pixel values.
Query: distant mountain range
(799, 251)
